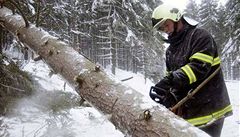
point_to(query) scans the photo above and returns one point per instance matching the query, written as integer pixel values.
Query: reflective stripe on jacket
(209, 118)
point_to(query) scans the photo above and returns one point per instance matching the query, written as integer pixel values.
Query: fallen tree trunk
(124, 106)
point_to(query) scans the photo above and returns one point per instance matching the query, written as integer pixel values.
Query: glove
(171, 99)
(159, 91)
(164, 97)
(165, 83)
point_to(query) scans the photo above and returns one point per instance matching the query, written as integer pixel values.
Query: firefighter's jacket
(191, 57)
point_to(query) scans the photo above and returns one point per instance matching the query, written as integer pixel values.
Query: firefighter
(190, 59)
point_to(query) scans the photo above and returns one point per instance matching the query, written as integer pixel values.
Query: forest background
(118, 34)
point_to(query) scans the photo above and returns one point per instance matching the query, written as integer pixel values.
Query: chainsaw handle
(156, 97)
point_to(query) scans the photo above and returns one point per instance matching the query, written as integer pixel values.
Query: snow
(96, 3)
(6, 12)
(137, 82)
(128, 92)
(76, 32)
(32, 9)
(130, 35)
(83, 71)
(231, 127)
(42, 73)
(228, 48)
(29, 120)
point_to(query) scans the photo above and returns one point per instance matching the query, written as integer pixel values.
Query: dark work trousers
(214, 130)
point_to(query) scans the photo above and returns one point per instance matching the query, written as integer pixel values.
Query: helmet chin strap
(175, 28)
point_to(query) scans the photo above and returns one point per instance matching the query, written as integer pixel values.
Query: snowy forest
(117, 34)
(59, 53)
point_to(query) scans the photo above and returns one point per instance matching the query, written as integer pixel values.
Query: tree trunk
(124, 106)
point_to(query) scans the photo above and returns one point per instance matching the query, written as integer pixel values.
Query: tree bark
(124, 106)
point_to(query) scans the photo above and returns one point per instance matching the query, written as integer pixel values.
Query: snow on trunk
(123, 105)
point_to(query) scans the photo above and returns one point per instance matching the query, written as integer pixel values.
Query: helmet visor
(158, 23)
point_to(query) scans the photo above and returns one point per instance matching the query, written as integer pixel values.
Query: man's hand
(165, 83)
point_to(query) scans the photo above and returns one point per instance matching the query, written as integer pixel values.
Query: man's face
(167, 27)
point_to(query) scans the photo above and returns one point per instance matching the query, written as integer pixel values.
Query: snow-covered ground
(231, 127)
(29, 119)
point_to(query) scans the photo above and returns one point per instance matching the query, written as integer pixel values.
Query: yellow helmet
(164, 12)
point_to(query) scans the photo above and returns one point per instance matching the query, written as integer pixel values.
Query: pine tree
(192, 10)
(221, 32)
(233, 51)
(208, 15)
